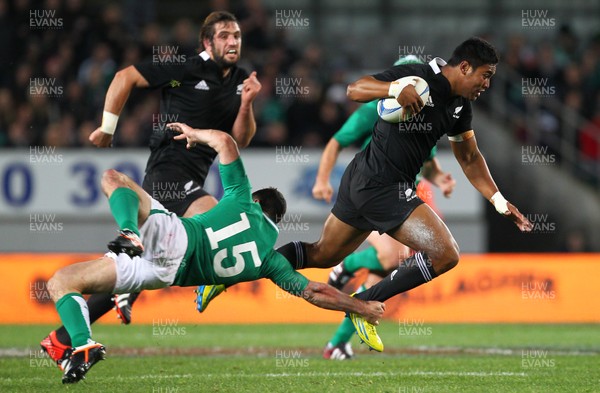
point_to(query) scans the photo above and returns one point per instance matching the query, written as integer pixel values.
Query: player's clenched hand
(251, 87)
(187, 133)
(322, 190)
(519, 219)
(445, 182)
(101, 139)
(410, 101)
(374, 312)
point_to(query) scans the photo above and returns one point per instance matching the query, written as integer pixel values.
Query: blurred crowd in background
(80, 58)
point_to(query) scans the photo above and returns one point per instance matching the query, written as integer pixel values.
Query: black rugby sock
(295, 253)
(411, 273)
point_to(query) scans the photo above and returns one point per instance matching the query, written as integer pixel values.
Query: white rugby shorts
(165, 242)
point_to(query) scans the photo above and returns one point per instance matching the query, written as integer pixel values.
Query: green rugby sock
(344, 332)
(74, 314)
(124, 206)
(365, 258)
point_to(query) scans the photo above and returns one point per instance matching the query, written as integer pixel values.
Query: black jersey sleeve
(464, 121)
(400, 71)
(160, 74)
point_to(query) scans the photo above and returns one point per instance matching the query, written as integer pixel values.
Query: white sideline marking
(24, 352)
(333, 374)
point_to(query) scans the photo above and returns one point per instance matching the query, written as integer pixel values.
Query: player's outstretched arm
(326, 296)
(322, 188)
(244, 126)
(432, 171)
(220, 141)
(116, 97)
(475, 168)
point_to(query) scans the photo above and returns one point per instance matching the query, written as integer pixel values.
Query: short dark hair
(476, 51)
(208, 27)
(272, 203)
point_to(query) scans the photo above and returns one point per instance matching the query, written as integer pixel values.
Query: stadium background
(538, 126)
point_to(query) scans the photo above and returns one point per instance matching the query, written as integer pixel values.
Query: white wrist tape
(109, 123)
(396, 87)
(499, 203)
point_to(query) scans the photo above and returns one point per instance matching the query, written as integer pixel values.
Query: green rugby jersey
(233, 242)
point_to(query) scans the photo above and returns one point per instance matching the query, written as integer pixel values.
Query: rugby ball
(389, 110)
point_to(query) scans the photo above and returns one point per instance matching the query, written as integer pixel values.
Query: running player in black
(377, 190)
(206, 91)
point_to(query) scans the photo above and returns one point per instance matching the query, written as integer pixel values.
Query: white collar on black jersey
(204, 55)
(436, 63)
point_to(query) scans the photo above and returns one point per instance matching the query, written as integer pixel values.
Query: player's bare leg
(95, 276)
(389, 251)
(437, 252)
(201, 205)
(65, 289)
(337, 241)
(134, 215)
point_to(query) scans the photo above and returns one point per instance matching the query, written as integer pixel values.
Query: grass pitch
(287, 358)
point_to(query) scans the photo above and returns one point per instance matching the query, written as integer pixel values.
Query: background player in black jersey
(207, 91)
(377, 190)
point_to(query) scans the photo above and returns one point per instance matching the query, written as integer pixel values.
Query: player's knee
(111, 180)
(56, 285)
(448, 259)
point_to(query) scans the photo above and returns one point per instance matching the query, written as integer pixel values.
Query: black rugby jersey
(192, 92)
(397, 151)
